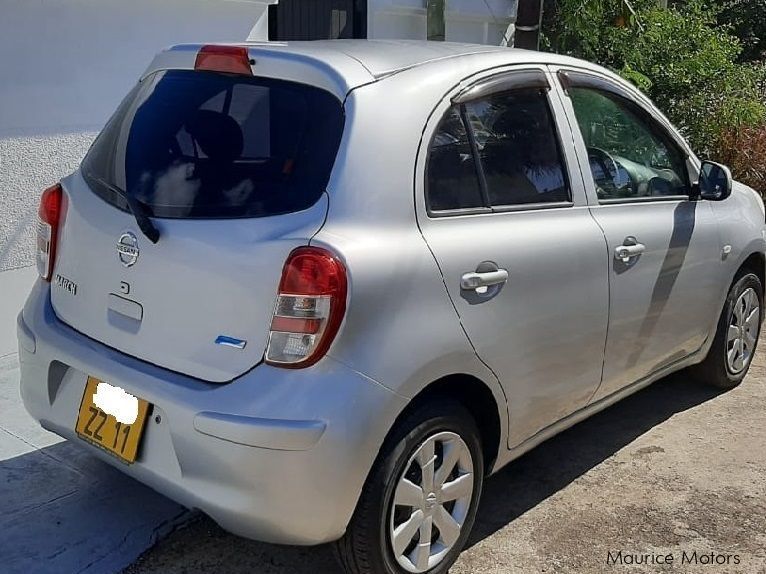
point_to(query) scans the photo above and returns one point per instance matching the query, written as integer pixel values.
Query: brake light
(229, 59)
(48, 217)
(310, 306)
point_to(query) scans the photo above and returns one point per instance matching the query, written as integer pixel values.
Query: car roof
(342, 65)
(385, 57)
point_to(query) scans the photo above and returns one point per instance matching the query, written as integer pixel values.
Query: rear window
(192, 144)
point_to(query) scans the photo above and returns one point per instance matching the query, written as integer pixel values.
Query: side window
(630, 156)
(518, 153)
(453, 182)
(518, 148)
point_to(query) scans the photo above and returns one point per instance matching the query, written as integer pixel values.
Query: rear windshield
(193, 144)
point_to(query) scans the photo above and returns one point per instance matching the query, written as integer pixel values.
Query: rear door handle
(626, 252)
(474, 279)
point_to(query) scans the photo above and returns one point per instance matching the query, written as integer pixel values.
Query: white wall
(65, 66)
(475, 21)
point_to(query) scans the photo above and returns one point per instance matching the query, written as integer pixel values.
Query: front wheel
(419, 503)
(737, 335)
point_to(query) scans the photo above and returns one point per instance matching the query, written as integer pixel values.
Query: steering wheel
(605, 161)
(611, 171)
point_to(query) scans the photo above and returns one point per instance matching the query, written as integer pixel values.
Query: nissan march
(321, 290)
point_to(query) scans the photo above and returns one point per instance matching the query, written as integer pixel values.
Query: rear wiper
(136, 208)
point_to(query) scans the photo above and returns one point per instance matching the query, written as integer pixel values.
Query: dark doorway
(317, 19)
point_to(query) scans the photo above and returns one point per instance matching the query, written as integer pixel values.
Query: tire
(366, 548)
(718, 369)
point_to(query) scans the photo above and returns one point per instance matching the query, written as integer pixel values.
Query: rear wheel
(419, 503)
(737, 335)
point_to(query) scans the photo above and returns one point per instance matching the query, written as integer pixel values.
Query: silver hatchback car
(321, 290)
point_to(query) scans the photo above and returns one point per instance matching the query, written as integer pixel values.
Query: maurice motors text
(620, 557)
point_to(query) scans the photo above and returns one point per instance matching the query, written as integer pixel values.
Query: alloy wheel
(431, 502)
(743, 331)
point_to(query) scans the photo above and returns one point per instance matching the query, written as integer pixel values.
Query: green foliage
(682, 57)
(582, 28)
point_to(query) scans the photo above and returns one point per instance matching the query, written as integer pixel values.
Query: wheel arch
(475, 396)
(755, 262)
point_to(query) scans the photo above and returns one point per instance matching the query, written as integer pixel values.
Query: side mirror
(714, 183)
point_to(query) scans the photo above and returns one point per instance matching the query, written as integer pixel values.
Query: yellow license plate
(103, 429)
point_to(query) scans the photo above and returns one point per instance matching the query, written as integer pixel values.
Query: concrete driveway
(677, 469)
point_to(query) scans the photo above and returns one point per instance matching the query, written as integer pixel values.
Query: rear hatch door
(232, 171)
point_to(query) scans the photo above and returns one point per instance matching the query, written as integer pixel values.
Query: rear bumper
(277, 455)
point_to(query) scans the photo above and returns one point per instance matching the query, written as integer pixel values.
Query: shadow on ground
(61, 509)
(553, 465)
(517, 488)
(64, 511)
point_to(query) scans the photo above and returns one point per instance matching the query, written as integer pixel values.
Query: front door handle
(475, 279)
(631, 248)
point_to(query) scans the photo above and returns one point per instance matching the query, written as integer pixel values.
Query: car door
(664, 247)
(503, 210)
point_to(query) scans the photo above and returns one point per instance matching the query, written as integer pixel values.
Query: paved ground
(15, 285)
(61, 510)
(675, 469)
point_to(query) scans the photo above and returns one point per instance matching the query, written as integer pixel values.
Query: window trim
(532, 206)
(503, 82)
(643, 199)
(569, 78)
(459, 211)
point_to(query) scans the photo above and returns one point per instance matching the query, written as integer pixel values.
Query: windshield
(192, 144)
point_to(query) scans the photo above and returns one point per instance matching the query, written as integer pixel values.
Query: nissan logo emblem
(127, 249)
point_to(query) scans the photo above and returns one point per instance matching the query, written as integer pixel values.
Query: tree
(679, 56)
(747, 20)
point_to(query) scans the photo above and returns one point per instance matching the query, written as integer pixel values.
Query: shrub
(683, 59)
(744, 151)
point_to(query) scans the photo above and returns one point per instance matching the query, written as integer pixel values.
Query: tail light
(48, 217)
(310, 306)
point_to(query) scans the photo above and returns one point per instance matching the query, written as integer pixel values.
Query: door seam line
(608, 306)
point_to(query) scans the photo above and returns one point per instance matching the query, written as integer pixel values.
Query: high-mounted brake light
(229, 59)
(310, 306)
(48, 218)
